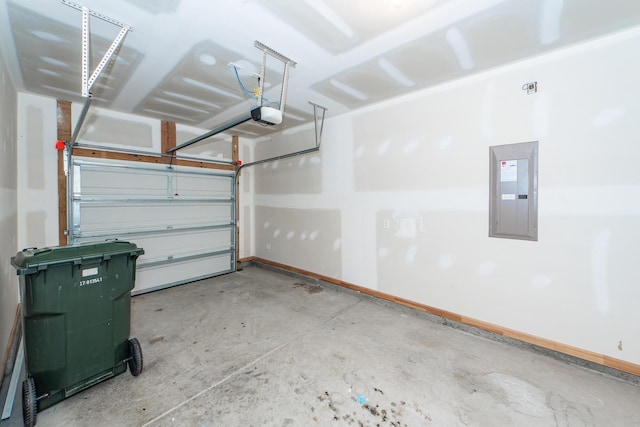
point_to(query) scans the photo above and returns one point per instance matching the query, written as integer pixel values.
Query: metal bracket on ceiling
(88, 81)
(266, 50)
(318, 118)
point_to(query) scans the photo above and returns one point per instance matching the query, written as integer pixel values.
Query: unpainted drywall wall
(275, 177)
(37, 171)
(8, 206)
(406, 183)
(246, 208)
(104, 127)
(309, 239)
(217, 147)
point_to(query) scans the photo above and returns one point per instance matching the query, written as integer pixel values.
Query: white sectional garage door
(183, 217)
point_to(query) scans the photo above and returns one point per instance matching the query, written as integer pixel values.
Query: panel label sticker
(508, 197)
(89, 272)
(508, 170)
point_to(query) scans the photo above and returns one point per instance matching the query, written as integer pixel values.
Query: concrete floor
(259, 347)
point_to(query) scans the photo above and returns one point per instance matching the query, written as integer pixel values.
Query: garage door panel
(109, 181)
(175, 273)
(181, 245)
(103, 218)
(195, 186)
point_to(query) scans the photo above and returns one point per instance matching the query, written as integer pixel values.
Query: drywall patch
(418, 151)
(408, 224)
(541, 281)
(599, 257)
(246, 231)
(486, 268)
(100, 129)
(300, 176)
(36, 226)
(303, 238)
(35, 149)
(607, 117)
(216, 147)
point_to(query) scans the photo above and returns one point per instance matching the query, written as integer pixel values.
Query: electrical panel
(513, 204)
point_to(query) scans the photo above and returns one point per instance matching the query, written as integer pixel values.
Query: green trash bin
(76, 311)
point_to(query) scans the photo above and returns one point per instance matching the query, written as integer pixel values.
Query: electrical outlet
(268, 246)
(531, 87)
(385, 223)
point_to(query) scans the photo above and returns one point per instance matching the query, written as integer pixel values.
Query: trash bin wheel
(29, 402)
(135, 357)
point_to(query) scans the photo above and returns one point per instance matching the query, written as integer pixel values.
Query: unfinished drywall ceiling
(49, 56)
(174, 65)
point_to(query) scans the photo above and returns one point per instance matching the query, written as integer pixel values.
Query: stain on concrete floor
(309, 288)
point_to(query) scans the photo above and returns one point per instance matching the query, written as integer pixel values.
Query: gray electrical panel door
(513, 204)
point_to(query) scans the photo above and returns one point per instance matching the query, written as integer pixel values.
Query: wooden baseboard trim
(579, 353)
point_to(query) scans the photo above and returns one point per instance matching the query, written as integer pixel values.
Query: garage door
(183, 217)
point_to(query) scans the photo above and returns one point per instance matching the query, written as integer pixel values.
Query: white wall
(37, 172)
(8, 208)
(421, 162)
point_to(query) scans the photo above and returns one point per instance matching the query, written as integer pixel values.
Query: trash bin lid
(31, 260)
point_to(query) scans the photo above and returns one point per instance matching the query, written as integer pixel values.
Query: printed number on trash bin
(90, 281)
